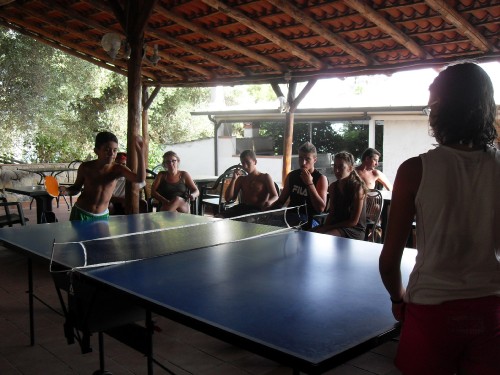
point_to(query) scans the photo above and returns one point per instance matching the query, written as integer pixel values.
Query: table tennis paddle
(52, 186)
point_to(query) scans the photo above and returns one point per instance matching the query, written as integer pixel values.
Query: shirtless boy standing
(368, 172)
(257, 189)
(98, 178)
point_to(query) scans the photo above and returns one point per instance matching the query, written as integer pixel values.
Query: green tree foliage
(170, 116)
(326, 136)
(52, 105)
(248, 95)
(37, 86)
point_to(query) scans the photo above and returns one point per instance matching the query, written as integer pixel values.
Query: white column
(371, 133)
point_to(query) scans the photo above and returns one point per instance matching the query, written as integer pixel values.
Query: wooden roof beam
(310, 84)
(103, 29)
(195, 51)
(366, 11)
(219, 39)
(101, 7)
(119, 13)
(186, 65)
(77, 16)
(264, 31)
(121, 64)
(66, 49)
(138, 21)
(319, 29)
(462, 25)
(104, 8)
(57, 42)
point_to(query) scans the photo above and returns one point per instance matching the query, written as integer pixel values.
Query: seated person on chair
(347, 215)
(174, 189)
(368, 172)
(304, 186)
(117, 201)
(98, 178)
(257, 189)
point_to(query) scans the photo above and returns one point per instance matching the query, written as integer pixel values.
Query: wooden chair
(374, 205)
(9, 219)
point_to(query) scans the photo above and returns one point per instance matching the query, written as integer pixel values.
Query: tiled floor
(181, 349)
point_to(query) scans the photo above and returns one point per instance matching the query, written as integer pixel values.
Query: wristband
(396, 301)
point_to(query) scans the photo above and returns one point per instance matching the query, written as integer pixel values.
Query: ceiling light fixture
(156, 57)
(111, 43)
(284, 107)
(127, 50)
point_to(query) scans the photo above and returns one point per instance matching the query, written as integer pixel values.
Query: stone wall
(11, 175)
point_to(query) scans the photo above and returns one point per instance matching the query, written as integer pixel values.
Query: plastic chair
(69, 181)
(321, 217)
(150, 177)
(374, 205)
(217, 200)
(153, 203)
(9, 218)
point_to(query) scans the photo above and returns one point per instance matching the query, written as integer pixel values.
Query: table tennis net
(129, 247)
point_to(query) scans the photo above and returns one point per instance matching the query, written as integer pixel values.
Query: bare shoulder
(88, 167)
(88, 164)
(409, 174)
(410, 166)
(265, 176)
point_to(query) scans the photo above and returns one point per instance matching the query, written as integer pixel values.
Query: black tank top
(170, 190)
(299, 194)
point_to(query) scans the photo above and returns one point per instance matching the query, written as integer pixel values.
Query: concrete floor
(181, 349)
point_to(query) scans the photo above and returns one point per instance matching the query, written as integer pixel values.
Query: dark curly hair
(463, 106)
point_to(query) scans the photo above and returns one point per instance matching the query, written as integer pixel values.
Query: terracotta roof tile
(212, 42)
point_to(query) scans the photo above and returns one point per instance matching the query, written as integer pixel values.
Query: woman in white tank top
(450, 309)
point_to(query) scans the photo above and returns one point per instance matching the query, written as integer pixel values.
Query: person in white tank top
(450, 309)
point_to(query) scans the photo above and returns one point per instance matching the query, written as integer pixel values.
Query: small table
(43, 200)
(202, 181)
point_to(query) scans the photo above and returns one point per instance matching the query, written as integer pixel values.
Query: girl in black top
(347, 214)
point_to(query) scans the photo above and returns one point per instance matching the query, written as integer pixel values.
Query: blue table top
(301, 298)
(38, 239)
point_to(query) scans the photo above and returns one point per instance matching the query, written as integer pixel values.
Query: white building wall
(197, 157)
(404, 138)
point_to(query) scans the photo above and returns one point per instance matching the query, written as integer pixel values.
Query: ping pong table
(307, 300)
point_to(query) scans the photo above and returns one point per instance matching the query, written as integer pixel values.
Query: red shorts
(461, 335)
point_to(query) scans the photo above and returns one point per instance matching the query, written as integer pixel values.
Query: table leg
(44, 213)
(203, 191)
(30, 302)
